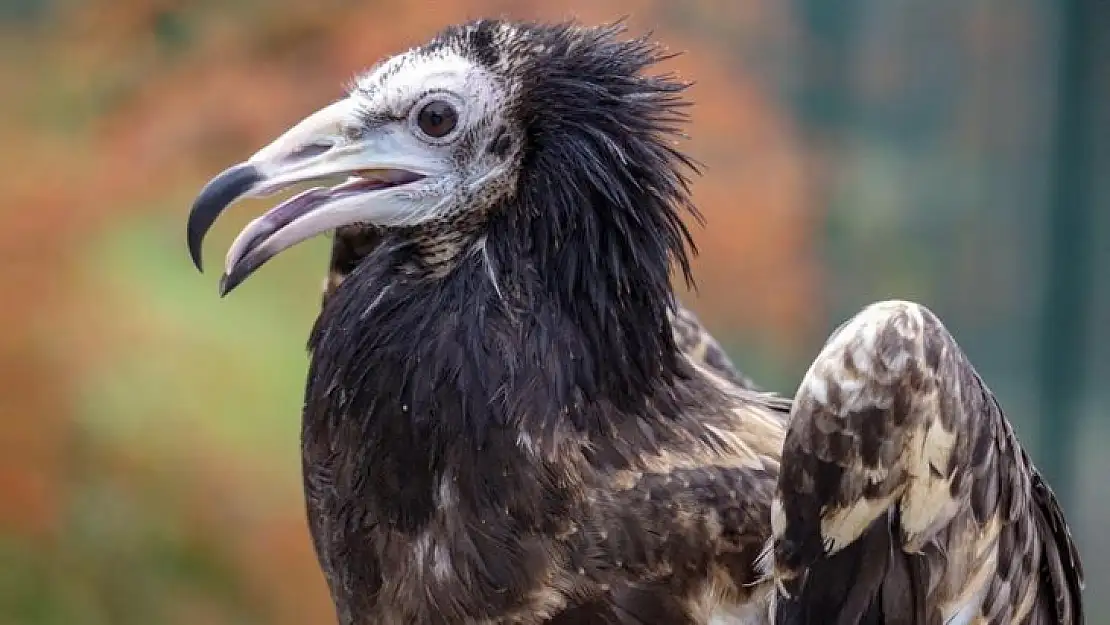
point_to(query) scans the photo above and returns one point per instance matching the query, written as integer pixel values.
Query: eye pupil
(437, 119)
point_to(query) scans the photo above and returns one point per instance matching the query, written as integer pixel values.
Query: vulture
(509, 419)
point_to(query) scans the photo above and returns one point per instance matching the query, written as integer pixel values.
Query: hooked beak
(375, 163)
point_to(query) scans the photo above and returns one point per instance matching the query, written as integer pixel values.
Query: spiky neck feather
(554, 316)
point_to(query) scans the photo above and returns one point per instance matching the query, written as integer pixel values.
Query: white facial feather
(398, 84)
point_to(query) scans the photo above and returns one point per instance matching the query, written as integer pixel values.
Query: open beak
(315, 148)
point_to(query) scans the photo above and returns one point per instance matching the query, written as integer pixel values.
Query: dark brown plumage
(508, 420)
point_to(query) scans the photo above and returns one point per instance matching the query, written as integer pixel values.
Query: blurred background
(952, 152)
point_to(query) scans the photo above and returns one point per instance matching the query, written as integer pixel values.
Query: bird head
(552, 127)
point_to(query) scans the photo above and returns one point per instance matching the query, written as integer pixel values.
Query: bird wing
(687, 519)
(698, 344)
(904, 495)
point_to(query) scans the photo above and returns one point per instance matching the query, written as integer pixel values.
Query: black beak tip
(217, 195)
(194, 250)
(232, 279)
(226, 285)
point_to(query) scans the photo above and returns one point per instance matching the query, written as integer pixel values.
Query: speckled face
(451, 110)
(399, 87)
(422, 137)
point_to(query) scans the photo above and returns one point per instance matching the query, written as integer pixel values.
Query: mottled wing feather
(692, 536)
(693, 521)
(1063, 569)
(698, 344)
(666, 522)
(899, 457)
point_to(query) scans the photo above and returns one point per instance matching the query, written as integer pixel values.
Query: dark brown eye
(437, 119)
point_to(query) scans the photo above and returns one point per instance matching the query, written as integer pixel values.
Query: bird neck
(497, 330)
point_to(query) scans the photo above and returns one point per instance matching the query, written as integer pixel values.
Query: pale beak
(313, 149)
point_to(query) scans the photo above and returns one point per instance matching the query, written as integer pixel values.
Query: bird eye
(437, 119)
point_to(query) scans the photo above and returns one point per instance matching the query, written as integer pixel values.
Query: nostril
(312, 149)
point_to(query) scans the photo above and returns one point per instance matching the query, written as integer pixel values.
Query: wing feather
(893, 434)
(694, 340)
(1063, 570)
